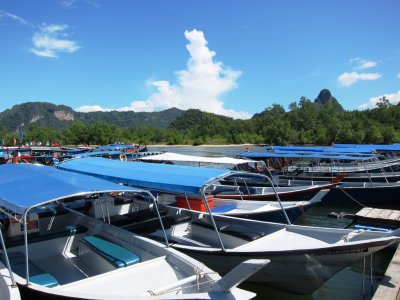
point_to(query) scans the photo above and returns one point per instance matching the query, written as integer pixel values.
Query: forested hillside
(60, 117)
(322, 121)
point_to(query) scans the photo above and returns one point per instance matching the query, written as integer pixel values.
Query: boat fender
(257, 167)
(347, 238)
(122, 156)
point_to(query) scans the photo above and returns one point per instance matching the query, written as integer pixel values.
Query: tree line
(305, 122)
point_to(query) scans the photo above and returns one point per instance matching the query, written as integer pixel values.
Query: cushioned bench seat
(44, 279)
(36, 274)
(118, 256)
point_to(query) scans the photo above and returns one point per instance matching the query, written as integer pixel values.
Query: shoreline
(229, 145)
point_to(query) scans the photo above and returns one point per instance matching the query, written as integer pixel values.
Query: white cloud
(200, 86)
(68, 3)
(393, 99)
(50, 40)
(89, 108)
(362, 64)
(6, 15)
(347, 79)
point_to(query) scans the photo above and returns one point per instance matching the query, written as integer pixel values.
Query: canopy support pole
(159, 217)
(3, 246)
(212, 219)
(25, 224)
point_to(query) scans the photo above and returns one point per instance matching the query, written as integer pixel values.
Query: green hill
(60, 116)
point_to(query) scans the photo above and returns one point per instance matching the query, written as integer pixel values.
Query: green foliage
(306, 122)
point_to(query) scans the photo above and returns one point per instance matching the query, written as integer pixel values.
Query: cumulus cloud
(89, 108)
(201, 85)
(393, 99)
(4, 15)
(67, 3)
(362, 64)
(70, 4)
(51, 40)
(349, 78)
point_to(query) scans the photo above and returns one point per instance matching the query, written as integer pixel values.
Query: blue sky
(234, 57)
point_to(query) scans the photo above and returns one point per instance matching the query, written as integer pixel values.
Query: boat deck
(75, 276)
(133, 280)
(65, 269)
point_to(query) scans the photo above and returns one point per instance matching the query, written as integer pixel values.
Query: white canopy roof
(169, 156)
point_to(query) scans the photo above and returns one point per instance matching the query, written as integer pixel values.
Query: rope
(198, 270)
(350, 196)
(179, 289)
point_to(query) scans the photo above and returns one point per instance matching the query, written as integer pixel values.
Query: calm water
(347, 284)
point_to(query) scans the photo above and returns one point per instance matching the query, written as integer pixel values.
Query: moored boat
(302, 257)
(53, 251)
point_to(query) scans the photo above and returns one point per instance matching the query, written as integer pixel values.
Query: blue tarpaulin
(28, 185)
(159, 177)
(321, 149)
(97, 153)
(307, 155)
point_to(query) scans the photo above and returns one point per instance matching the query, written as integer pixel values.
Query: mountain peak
(325, 97)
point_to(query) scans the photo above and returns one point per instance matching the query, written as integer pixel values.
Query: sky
(229, 57)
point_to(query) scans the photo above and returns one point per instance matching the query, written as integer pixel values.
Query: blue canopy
(308, 155)
(371, 147)
(321, 149)
(74, 150)
(96, 153)
(114, 147)
(295, 148)
(158, 177)
(23, 186)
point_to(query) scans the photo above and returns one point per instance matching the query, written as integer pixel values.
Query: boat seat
(153, 224)
(176, 219)
(230, 229)
(36, 274)
(115, 254)
(223, 208)
(137, 216)
(39, 236)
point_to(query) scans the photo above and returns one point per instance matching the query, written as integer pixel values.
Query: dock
(387, 218)
(389, 287)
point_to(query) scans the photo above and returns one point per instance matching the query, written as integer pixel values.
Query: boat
(129, 152)
(7, 290)
(287, 190)
(302, 257)
(57, 244)
(231, 163)
(247, 187)
(143, 173)
(370, 191)
(255, 210)
(110, 154)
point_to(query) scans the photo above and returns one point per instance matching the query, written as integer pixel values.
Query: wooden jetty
(387, 218)
(389, 288)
